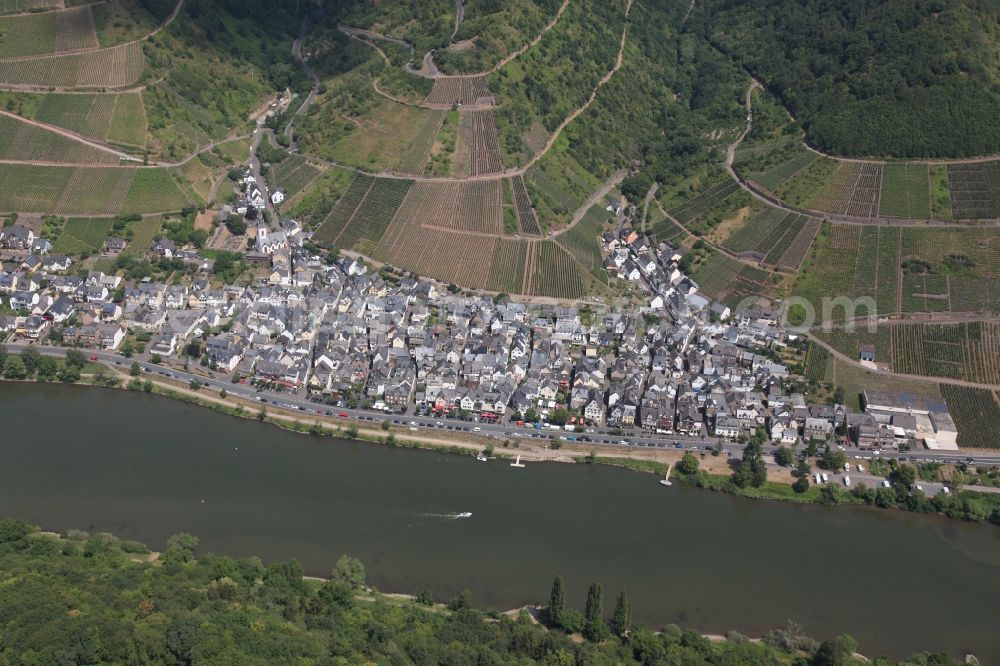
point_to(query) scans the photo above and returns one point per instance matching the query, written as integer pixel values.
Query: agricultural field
(466, 206)
(808, 184)
(444, 158)
(197, 178)
(154, 191)
(975, 190)
(853, 190)
(315, 203)
(976, 413)
(557, 274)
(341, 214)
(727, 280)
(665, 229)
(775, 237)
(418, 152)
(527, 220)
(582, 240)
(777, 176)
(507, 270)
(855, 262)
(115, 118)
(114, 67)
(372, 218)
(83, 235)
(381, 139)
(905, 191)
(449, 91)
(22, 141)
(49, 32)
(477, 133)
(968, 351)
(292, 175)
(710, 198)
(448, 256)
(95, 191)
(16, 6)
(143, 232)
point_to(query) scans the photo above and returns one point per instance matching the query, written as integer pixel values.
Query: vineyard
(32, 34)
(582, 240)
(905, 191)
(976, 413)
(692, 209)
(557, 274)
(527, 220)
(975, 190)
(478, 130)
(968, 351)
(853, 190)
(776, 237)
(773, 178)
(727, 280)
(75, 29)
(154, 191)
(507, 271)
(97, 191)
(114, 67)
(374, 215)
(22, 141)
(87, 190)
(664, 229)
(14, 6)
(293, 174)
(340, 215)
(419, 149)
(469, 206)
(83, 235)
(444, 255)
(459, 90)
(144, 232)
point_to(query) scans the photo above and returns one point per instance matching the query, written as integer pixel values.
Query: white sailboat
(517, 462)
(665, 481)
(481, 456)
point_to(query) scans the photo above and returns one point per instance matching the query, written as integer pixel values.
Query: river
(145, 467)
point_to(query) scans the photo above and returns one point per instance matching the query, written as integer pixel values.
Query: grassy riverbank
(964, 505)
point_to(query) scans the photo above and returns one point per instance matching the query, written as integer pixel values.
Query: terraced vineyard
(975, 190)
(15, 6)
(31, 34)
(713, 195)
(293, 174)
(22, 141)
(370, 221)
(417, 153)
(730, 281)
(469, 206)
(507, 270)
(527, 220)
(341, 214)
(444, 255)
(773, 178)
(114, 118)
(480, 135)
(776, 237)
(97, 191)
(557, 273)
(459, 90)
(582, 240)
(83, 235)
(114, 67)
(976, 413)
(905, 191)
(853, 190)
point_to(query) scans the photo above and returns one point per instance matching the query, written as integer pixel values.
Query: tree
(69, 373)
(30, 357)
(801, 484)
(135, 370)
(75, 358)
(14, 368)
(903, 476)
(349, 570)
(803, 468)
(557, 602)
(752, 471)
(833, 459)
(688, 464)
(836, 652)
(223, 393)
(180, 548)
(47, 369)
(462, 602)
(622, 618)
(783, 456)
(594, 629)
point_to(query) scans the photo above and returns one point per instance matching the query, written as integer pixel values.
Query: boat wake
(449, 516)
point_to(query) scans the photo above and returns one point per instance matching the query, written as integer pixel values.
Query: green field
(154, 190)
(20, 140)
(582, 240)
(84, 235)
(905, 191)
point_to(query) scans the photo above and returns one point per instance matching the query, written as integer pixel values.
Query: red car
(93, 357)
(343, 415)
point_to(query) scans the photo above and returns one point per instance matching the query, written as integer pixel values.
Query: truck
(826, 477)
(819, 479)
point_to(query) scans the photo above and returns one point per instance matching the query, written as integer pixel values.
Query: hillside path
(72, 136)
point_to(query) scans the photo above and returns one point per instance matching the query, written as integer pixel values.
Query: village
(345, 335)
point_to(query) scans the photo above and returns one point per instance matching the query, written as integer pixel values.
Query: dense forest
(907, 78)
(94, 599)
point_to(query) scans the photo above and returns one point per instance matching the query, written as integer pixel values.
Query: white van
(847, 481)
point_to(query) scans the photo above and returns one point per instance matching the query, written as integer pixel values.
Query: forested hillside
(98, 600)
(906, 78)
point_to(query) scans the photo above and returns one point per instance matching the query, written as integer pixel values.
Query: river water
(145, 467)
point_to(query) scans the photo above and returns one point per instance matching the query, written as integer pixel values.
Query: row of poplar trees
(591, 623)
